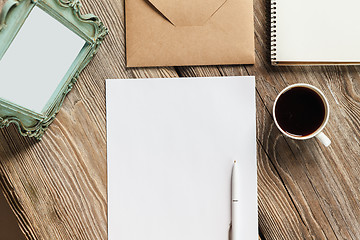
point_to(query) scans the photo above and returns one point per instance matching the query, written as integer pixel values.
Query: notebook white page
(318, 30)
(171, 147)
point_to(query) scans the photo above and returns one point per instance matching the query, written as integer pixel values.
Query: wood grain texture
(57, 187)
(313, 192)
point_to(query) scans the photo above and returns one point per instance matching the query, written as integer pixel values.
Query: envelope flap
(187, 12)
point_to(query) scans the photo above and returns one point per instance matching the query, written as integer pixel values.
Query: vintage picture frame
(67, 12)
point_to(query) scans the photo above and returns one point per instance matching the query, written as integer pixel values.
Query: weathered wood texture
(57, 187)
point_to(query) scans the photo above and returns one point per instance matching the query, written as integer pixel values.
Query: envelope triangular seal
(188, 12)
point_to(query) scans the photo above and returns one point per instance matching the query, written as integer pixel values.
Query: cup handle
(323, 139)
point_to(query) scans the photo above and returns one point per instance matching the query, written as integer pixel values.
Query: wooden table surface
(57, 187)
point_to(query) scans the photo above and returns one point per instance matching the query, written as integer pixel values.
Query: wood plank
(57, 187)
(320, 182)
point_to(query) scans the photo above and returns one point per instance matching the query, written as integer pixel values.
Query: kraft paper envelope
(189, 32)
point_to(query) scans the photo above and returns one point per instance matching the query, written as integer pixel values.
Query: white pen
(235, 204)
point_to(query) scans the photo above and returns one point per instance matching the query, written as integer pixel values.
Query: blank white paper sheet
(171, 146)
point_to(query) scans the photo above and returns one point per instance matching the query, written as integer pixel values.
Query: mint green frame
(88, 27)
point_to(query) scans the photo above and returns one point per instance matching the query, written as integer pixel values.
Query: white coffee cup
(318, 133)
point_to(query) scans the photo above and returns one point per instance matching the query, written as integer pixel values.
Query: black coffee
(300, 111)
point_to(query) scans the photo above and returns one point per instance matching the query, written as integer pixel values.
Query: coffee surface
(300, 111)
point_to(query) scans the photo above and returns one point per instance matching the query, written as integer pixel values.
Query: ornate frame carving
(87, 26)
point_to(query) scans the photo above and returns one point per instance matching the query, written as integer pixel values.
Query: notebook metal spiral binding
(273, 32)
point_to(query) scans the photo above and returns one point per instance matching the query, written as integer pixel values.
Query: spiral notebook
(315, 32)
